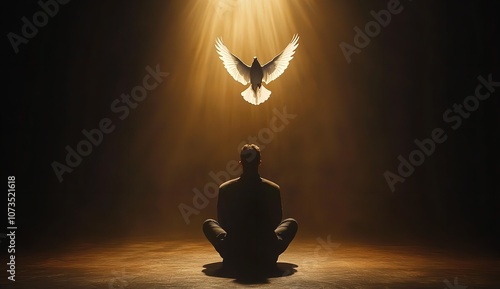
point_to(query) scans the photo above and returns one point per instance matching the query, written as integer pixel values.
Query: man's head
(250, 157)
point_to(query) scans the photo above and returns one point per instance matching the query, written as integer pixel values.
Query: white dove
(256, 93)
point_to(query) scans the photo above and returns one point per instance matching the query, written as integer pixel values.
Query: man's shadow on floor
(282, 270)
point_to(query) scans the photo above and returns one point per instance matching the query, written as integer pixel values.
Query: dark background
(353, 120)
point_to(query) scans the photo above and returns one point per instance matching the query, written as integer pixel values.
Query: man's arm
(277, 208)
(273, 209)
(221, 207)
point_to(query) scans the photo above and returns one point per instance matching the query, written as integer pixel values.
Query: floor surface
(309, 263)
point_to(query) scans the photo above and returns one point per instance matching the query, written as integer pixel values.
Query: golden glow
(258, 28)
(200, 118)
(211, 105)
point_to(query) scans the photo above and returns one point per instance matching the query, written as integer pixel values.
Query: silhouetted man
(250, 234)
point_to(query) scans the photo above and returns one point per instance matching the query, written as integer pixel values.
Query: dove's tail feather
(258, 97)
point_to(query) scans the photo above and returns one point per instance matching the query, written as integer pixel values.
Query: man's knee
(287, 229)
(291, 224)
(291, 221)
(208, 225)
(209, 222)
(213, 230)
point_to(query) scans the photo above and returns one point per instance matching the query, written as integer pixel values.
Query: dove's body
(256, 74)
(256, 93)
(259, 93)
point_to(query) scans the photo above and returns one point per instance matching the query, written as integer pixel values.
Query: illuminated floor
(155, 265)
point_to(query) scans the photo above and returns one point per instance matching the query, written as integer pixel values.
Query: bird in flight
(256, 93)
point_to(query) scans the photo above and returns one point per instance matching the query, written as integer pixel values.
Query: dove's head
(255, 61)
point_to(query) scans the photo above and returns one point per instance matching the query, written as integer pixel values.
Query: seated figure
(250, 234)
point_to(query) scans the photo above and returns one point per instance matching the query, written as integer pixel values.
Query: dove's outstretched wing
(274, 68)
(236, 68)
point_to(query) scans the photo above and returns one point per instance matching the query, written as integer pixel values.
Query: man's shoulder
(229, 183)
(270, 183)
(234, 182)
